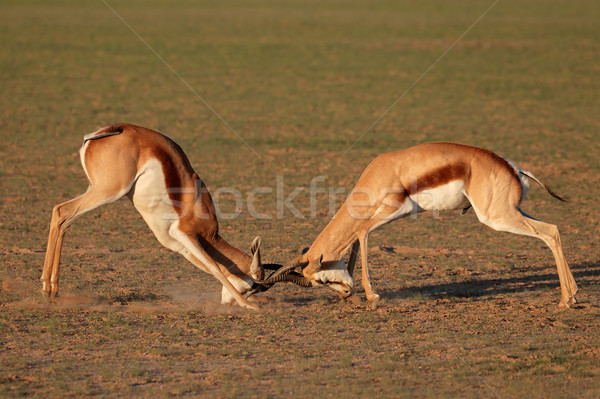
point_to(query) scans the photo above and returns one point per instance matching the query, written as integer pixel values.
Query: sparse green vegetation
(467, 312)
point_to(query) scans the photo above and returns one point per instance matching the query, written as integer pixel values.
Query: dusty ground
(466, 311)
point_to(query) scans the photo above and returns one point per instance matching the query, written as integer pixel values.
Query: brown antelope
(429, 177)
(153, 171)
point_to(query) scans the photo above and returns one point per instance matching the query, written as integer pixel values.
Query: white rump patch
(82, 152)
(522, 177)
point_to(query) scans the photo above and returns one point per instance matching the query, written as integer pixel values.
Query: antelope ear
(315, 264)
(256, 269)
(312, 266)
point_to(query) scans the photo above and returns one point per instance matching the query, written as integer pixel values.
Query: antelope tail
(104, 132)
(545, 187)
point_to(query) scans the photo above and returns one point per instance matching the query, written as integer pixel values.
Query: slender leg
(366, 281)
(351, 263)
(63, 215)
(51, 253)
(353, 256)
(549, 234)
(518, 222)
(198, 257)
(387, 215)
(559, 254)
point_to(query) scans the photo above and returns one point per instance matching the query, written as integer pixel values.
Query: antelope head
(255, 281)
(334, 274)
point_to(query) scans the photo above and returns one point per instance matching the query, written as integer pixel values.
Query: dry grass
(467, 312)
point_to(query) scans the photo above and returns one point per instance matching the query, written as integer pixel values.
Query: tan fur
(388, 190)
(114, 158)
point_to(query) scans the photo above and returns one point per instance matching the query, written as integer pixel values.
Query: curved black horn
(277, 274)
(285, 270)
(291, 277)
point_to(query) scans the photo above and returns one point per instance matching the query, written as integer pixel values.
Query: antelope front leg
(197, 255)
(366, 281)
(352, 297)
(352, 258)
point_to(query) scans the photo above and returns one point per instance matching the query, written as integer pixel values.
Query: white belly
(151, 199)
(443, 198)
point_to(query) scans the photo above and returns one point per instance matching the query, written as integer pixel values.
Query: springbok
(428, 177)
(156, 175)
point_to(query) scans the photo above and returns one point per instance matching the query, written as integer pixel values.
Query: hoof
(374, 301)
(563, 305)
(573, 300)
(47, 297)
(252, 306)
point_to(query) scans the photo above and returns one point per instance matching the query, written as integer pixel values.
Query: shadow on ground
(489, 287)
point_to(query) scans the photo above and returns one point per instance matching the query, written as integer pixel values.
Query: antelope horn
(278, 274)
(281, 271)
(291, 277)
